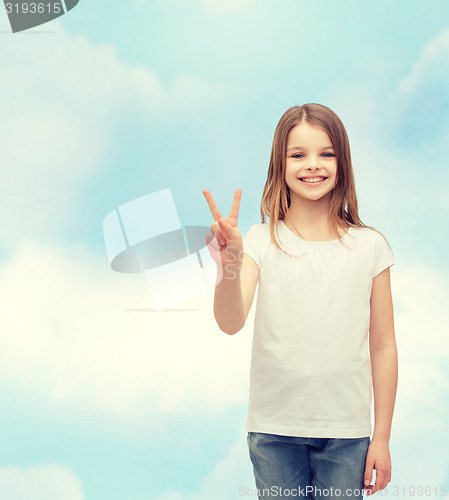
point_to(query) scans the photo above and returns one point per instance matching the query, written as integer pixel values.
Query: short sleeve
(383, 255)
(252, 243)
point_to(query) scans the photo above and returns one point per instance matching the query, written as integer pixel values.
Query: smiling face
(310, 154)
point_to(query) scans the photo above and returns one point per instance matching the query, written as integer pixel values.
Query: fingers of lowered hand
(382, 464)
(383, 477)
(374, 488)
(368, 472)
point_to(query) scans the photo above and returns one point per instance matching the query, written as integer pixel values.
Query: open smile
(312, 181)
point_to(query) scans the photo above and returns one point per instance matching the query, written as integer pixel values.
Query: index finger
(236, 204)
(212, 205)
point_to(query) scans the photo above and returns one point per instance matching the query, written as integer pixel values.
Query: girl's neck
(311, 219)
(309, 214)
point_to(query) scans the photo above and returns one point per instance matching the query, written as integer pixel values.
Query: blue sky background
(102, 399)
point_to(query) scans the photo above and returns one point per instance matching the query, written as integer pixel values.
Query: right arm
(237, 273)
(234, 296)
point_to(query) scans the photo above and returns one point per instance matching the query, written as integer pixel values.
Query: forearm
(384, 367)
(228, 303)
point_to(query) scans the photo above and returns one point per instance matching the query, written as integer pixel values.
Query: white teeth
(314, 179)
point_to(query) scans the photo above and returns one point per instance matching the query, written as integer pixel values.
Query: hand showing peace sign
(225, 242)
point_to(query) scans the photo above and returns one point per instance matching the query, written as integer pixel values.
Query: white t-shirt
(310, 366)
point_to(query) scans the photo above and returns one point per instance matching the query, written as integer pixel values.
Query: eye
(330, 155)
(296, 155)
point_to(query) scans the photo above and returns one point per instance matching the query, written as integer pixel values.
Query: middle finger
(236, 204)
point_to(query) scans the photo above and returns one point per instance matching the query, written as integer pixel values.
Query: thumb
(368, 474)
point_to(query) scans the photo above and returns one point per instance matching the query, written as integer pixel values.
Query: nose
(313, 163)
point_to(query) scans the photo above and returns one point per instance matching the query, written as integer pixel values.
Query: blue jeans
(307, 468)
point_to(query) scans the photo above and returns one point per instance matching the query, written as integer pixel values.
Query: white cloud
(39, 482)
(419, 106)
(64, 101)
(419, 435)
(429, 66)
(66, 335)
(230, 477)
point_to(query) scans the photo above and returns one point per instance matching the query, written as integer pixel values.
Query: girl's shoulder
(371, 235)
(367, 230)
(259, 228)
(256, 240)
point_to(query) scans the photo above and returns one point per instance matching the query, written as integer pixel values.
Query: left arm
(384, 368)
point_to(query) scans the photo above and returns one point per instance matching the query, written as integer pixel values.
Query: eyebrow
(305, 149)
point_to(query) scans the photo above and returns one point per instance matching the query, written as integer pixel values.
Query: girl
(324, 328)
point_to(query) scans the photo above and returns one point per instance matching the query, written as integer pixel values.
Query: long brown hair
(276, 200)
